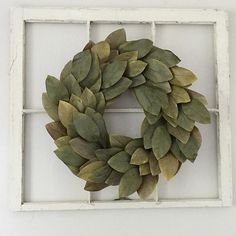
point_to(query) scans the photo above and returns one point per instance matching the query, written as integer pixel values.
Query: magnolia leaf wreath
(91, 81)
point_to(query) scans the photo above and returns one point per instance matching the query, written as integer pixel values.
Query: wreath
(91, 81)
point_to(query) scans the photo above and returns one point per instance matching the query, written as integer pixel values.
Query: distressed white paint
(152, 16)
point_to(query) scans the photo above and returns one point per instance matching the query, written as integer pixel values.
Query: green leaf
(88, 98)
(62, 141)
(144, 126)
(120, 162)
(164, 86)
(143, 46)
(190, 149)
(180, 95)
(157, 72)
(101, 103)
(184, 122)
(96, 171)
(195, 110)
(114, 178)
(56, 90)
(139, 157)
(147, 137)
(172, 109)
(127, 56)
(113, 55)
(93, 187)
(153, 164)
(161, 142)
(50, 107)
(119, 88)
(179, 133)
(81, 65)
(95, 88)
(116, 38)
(83, 148)
(102, 49)
(144, 169)
(113, 73)
(119, 140)
(88, 45)
(170, 120)
(66, 70)
(69, 157)
(66, 112)
(107, 153)
(152, 119)
(77, 103)
(130, 182)
(135, 68)
(56, 129)
(177, 153)
(133, 145)
(138, 80)
(169, 166)
(197, 96)
(86, 127)
(182, 76)
(72, 85)
(148, 186)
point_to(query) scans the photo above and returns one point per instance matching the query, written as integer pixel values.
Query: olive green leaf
(93, 73)
(161, 142)
(120, 162)
(113, 55)
(119, 140)
(96, 171)
(127, 56)
(93, 187)
(182, 76)
(114, 178)
(170, 120)
(148, 186)
(88, 98)
(153, 164)
(177, 153)
(151, 99)
(113, 73)
(165, 86)
(139, 157)
(83, 148)
(86, 127)
(152, 119)
(102, 49)
(107, 153)
(143, 46)
(101, 103)
(56, 90)
(69, 157)
(194, 95)
(137, 80)
(179, 133)
(88, 45)
(66, 70)
(135, 68)
(190, 149)
(50, 107)
(180, 95)
(120, 87)
(133, 145)
(73, 169)
(157, 71)
(95, 88)
(172, 109)
(169, 166)
(62, 141)
(147, 137)
(144, 126)
(184, 122)
(165, 56)
(116, 38)
(144, 169)
(72, 85)
(65, 113)
(195, 110)
(76, 101)
(130, 182)
(56, 129)
(81, 65)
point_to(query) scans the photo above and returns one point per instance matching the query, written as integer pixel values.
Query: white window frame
(20, 16)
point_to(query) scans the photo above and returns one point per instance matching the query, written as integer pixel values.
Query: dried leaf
(177, 153)
(127, 56)
(102, 49)
(144, 169)
(66, 70)
(172, 109)
(88, 45)
(114, 178)
(133, 145)
(107, 153)
(144, 126)
(56, 129)
(194, 95)
(165, 86)
(88, 98)
(170, 120)
(101, 103)
(184, 122)
(119, 140)
(152, 119)
(113, 55)
(77, 103)
(135, 68)
(180, 95)
(139, 157)
(147, 137)
(153, 164)
(72, 85)
(116, 38)
(138, 80)
(179, 133)
(62, 141)
(93, 187)
(50, 107)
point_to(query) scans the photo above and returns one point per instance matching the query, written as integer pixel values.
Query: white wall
(120, 222)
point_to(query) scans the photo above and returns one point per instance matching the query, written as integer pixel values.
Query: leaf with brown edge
(62, 141)
(56, 129)
(133, 145)
(182, 77)
(161, 142)
(102, 49)
(130, 182)
(147, 187)
(114, 178)
(135, 68)
(190, 149)
(81, 65)
(119, 140)
(169, 166)
(137, 80)
(153, 164)
(93, 187)
(127, 56)
(50, 107)
(120, 162)
(83, 148)
(88, 98)
(172, 109)
(144, 169)
(139, 157)
(180, 95)
(106, 153)
(179, 133)
(116, 38)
